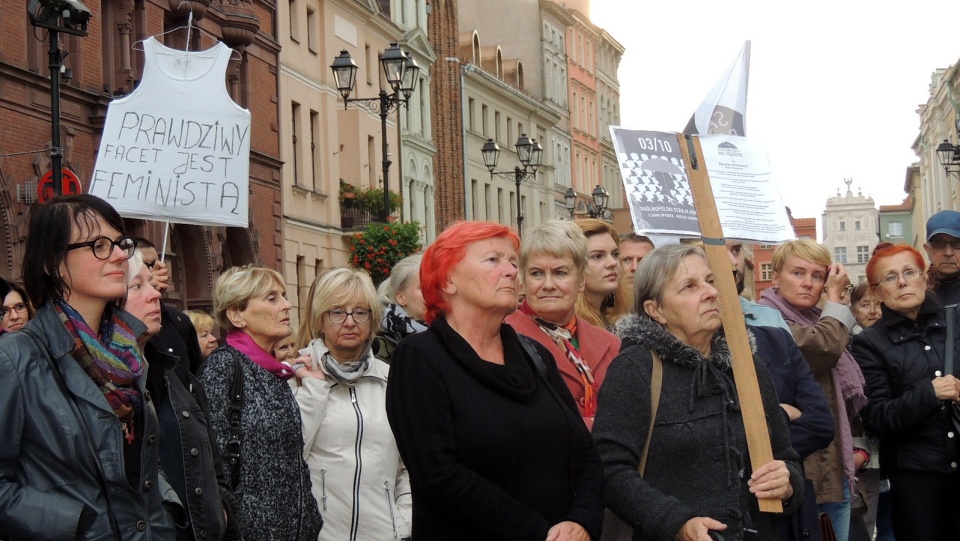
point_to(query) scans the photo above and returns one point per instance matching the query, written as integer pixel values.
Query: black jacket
(189, 454)
(698, 464)
(899, 358)
(493, 452)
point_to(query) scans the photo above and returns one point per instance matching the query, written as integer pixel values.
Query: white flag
(724, 110)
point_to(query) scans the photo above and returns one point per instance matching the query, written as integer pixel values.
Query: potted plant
(381, 246)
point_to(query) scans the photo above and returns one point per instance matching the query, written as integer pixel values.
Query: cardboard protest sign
(177, 149)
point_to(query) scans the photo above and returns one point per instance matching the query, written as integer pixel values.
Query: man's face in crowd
(630, 255)
(735, 249)
(943, 251)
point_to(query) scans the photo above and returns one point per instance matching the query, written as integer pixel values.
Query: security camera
(75, 14)
(69, 16)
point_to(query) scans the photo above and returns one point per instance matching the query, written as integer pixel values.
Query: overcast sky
(834, 85)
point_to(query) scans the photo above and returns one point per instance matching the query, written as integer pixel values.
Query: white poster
(744, 190)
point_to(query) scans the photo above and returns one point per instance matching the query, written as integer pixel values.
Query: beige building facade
(850, 225)
(322, 143)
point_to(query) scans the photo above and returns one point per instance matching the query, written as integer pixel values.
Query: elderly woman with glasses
(78, 453)
(358, 477)
(911, 397)
(253, 411)
(803, 273)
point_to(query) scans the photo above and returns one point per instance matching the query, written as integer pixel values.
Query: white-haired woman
(404, 307)
(358, 477)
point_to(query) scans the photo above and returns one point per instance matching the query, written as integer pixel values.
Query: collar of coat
(643, 331)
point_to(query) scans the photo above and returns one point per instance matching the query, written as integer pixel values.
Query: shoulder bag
(614, 528)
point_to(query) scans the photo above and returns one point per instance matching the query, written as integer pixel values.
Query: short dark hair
(633, 237)
(51, 226)
(143, 243)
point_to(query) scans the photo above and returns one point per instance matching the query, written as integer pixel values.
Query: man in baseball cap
(943, 250)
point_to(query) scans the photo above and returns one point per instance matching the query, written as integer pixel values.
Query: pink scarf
(848, 380)
(245, 344)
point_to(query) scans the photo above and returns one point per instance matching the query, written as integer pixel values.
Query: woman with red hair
(491, 437)
(910, 397)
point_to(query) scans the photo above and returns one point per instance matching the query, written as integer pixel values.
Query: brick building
(108, 63)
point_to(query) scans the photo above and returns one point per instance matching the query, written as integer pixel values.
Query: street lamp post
(401, 72)
(595, 208)
(949, 157)
(529, 152)
(58, 16)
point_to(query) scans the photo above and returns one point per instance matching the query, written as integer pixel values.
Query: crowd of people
(574, 386)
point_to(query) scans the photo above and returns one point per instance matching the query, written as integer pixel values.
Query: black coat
(189, 454)
(698, 463)
(493, 452)
(899, 358)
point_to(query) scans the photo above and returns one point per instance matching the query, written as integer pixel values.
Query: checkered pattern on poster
(655, 182)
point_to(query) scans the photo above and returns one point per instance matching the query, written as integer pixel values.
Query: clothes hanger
(138, 45)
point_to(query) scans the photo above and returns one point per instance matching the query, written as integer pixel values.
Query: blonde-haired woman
(602, 302)
(259, 434)
(802, 274)
(358, 477)
(205, 327)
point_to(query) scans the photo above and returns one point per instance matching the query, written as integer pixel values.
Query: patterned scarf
(112, 361)
(565, 337)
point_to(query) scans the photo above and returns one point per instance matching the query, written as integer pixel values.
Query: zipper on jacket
(323, 487)
(358, 445)
(393, 518)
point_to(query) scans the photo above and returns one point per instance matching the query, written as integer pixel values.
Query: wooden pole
(744, 373)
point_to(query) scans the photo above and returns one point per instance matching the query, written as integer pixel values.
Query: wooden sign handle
(744, 373)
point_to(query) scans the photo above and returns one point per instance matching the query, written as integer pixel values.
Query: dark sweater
(698, 463)
(494, 452)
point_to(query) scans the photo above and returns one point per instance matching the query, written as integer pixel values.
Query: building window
(294, 21)
(843, 225)
(840, 253)
(856, 225)
(863, 254)
(295, 138)
(483, 119)
(315, 149)
(766, 271)
(312, 30)
(470, 113)
(895, 229)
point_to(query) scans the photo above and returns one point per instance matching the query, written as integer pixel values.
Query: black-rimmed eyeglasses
(360, 315)
(102, 247)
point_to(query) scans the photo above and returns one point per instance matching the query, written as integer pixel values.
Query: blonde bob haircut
(559, 238)
(237, 286)
(201, 321)
(805, 249)
(333, 288)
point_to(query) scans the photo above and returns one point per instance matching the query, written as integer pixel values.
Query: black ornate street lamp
(401, 73)
(529, 152)
(949, 157)
(70, 17)
(595, 208)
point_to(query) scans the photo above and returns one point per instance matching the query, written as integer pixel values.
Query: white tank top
(177, 148)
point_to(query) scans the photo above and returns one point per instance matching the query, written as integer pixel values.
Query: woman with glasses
(358, 477)
(16, 310)
(253, 412)
(78, 453)
(803, 274)
(911, 398)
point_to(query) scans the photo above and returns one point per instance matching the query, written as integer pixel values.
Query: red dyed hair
(890, 250)
(442, 256)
